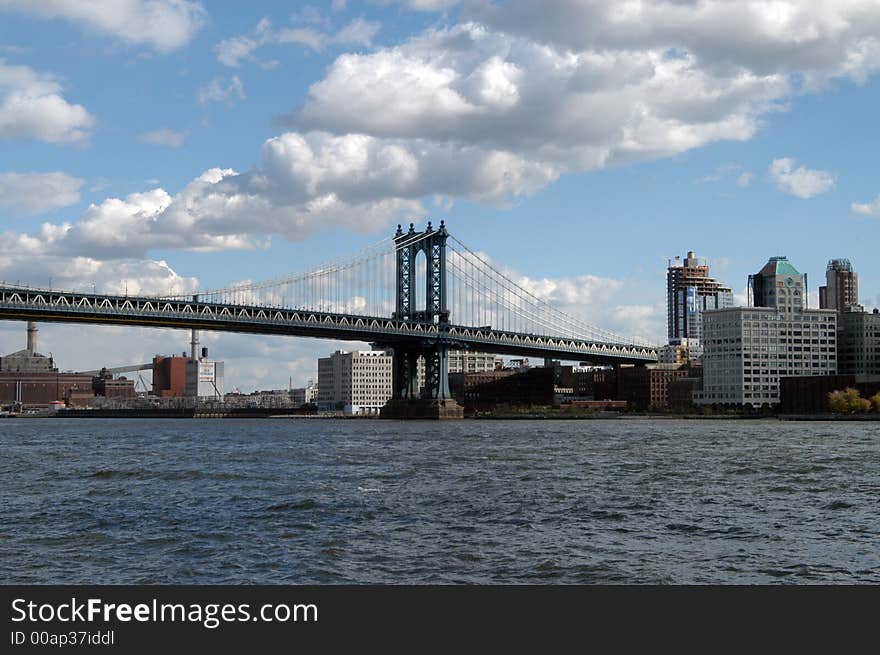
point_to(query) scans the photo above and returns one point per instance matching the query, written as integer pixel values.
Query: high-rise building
(748, 349)
(841, 286)
(357, 382)
(779, 285)
(689, 292)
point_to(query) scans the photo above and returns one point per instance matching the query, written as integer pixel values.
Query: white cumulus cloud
(494, 109)
(32, 107)
(801, 182)
(581, 85)
(867, 208)
(37, 260)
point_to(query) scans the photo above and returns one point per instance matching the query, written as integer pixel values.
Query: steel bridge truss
(29, 304)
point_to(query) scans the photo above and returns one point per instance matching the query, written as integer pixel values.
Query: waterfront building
(356, 382)
(858, 342)
(647, 387)
(169, 376)
(359, 382)
(512, 387)
(809, 395)
(306, 395)
(204, 378)
(681, 391)
(690, 291)
(110, 387)
(841, 286)
(266, 399)
(465, 361)
(42, 387)
(30, 378)
(747, 350)
(183, 376)
(27, 360)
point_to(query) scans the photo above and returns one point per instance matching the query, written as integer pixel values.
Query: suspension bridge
(417, 293)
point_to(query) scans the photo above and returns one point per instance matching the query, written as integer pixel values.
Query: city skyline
(109, 186)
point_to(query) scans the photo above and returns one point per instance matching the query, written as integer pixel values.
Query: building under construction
(690, 291)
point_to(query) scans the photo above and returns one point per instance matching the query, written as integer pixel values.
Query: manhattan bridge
(419, 294)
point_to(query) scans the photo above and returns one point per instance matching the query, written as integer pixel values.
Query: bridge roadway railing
(504, 342)
(20, 303)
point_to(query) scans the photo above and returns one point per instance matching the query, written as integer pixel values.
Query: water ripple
(329, 502)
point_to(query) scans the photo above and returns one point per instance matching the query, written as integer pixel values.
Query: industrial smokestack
(194, 345)
(31, 337)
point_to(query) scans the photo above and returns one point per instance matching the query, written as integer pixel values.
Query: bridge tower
(433, 400)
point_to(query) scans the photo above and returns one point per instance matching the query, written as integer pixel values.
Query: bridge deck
(18, 303)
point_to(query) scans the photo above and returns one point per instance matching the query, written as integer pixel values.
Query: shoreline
(265, 413)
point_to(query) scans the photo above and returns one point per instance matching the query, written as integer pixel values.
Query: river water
(369, 501)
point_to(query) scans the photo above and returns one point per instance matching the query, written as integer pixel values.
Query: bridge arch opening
(420, 282)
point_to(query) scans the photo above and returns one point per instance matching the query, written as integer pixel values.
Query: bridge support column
(436, 374)
(405, 375)
(435, 401)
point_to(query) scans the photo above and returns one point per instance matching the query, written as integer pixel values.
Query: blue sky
(579, 146)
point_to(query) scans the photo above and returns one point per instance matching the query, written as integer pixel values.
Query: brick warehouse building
(30, 378)
(647, 387)
(169, 376)
(809, 394)
(41, 388)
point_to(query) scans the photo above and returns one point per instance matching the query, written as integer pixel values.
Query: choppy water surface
(321, 501)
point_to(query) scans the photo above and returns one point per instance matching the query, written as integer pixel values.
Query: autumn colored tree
(848, 401)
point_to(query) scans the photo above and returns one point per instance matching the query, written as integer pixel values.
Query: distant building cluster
(360, 382)
(29, 378)
(776, 346)
(749, 349)
(292, 398)
(718, 354)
